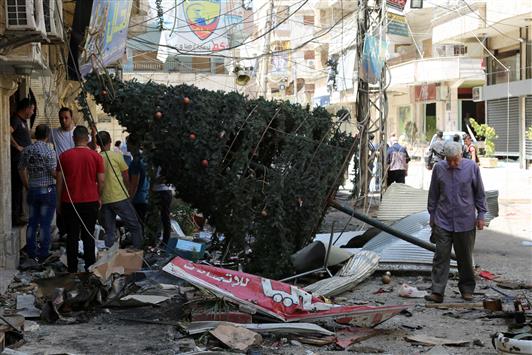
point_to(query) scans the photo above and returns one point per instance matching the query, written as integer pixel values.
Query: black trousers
(141, 209)
(165, 200)
(396, 176)
(16, 192)
(77, 228)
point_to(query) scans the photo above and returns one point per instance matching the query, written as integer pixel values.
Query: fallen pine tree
(259, 170)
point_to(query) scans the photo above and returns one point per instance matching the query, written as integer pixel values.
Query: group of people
(436, 149)
(65, 176)
(456, 205)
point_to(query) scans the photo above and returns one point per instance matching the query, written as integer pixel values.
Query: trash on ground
(313, 255)
(487, 275)
(386, 278)
(430, 340)
(357, 269)
(185, 248)
(236, 337)
(145, 299)
(26, 306)
(274, 328)
(234, 317)
(507, 343)
(276, 299)
(411, 292)
(349, 336)
(117, 261)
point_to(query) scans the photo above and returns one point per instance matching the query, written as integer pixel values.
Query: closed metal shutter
(507, 141)
(528, 123)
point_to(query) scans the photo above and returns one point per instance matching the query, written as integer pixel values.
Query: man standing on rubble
(456, 205)
(80, 179)
(115, 197)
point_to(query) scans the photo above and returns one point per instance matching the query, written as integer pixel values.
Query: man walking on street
(436, 150)
(398, 159)
(115, 198)
(37, 169)
(456, 205)
(80, 180)
(20, 138)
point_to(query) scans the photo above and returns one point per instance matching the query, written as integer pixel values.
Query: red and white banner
(282, 301)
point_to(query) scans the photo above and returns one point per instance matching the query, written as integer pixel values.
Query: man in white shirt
(62, 136)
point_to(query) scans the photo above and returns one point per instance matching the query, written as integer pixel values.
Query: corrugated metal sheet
(492, 204)
(411, 201)
(498, 114)
(393, 250)
(357, 269)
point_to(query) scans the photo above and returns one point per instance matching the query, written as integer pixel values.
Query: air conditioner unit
(53, 21)
(24, 16)
(478, 94)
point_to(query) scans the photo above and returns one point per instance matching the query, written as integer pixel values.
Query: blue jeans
(41, 202)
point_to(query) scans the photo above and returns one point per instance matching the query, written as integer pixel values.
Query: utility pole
(266, 52)
(371, 15)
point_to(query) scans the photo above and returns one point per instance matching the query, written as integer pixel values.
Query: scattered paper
(236, 337)
(411, 292)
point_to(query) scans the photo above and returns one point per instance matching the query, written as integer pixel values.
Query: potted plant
(486, 151)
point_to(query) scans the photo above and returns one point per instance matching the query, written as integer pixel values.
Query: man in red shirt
(80, 180)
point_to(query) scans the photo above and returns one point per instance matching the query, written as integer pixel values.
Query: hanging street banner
(106, 35)
(397, 25)
(396, 4)
(195, 26)
(373, 58)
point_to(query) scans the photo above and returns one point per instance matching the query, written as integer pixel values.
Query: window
(308, 20)
(309, 55)
(511, 65)
(201, 65)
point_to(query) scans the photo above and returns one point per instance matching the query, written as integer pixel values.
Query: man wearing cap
(456, 205)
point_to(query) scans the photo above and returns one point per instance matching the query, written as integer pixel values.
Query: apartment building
(31, 44)
(465, 60)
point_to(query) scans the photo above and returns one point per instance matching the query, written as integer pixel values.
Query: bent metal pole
(385, 228)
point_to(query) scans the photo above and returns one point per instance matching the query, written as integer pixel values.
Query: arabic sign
(396, 4)
(195, 26)
(107, 34)
(397, 25)
(425, 92)
(277, 299)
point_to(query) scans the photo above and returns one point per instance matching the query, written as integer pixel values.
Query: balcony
(433, 70)
(23, 60)
(461, 22)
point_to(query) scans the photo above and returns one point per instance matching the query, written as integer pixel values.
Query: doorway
(430, 121)
(471, 109)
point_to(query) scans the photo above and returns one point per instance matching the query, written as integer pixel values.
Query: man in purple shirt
(456, 206)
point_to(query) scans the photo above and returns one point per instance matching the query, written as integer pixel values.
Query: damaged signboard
(276, 299)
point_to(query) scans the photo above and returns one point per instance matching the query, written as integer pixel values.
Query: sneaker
(434, 297)
(467, 296)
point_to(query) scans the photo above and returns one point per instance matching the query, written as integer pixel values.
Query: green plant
(486, 132)
(260, 171)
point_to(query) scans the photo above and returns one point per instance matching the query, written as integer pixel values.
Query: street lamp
(416, 4)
